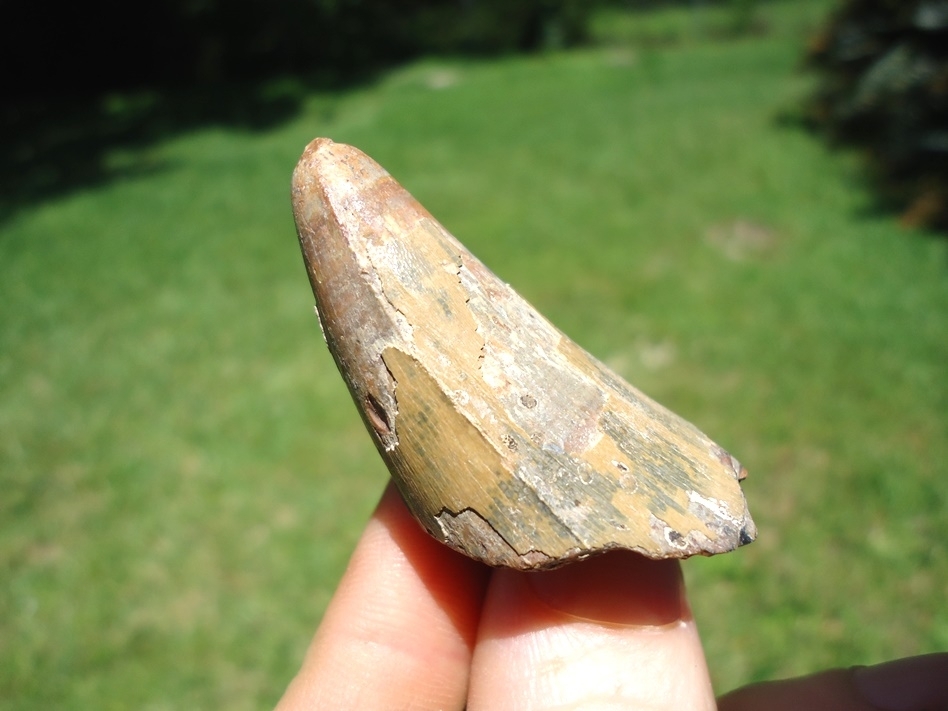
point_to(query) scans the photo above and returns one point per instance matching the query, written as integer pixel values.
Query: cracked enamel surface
(508, 441)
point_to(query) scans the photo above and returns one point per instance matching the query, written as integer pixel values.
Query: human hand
(414, 625)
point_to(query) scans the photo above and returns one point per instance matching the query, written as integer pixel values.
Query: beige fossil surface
(508, 441)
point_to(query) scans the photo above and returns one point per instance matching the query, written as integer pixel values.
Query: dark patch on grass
(56, 144)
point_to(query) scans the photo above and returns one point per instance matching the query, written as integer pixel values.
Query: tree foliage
(111, 44)
(83, 79)
(884, 88)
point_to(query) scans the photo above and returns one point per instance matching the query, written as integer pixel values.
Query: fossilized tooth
(507, 441)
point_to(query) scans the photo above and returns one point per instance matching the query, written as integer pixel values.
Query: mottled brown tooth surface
(507, 441)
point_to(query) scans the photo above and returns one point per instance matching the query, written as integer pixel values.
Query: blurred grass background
(183, 474)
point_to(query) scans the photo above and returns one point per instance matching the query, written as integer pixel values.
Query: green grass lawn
(183, 475)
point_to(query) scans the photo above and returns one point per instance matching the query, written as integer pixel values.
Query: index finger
(400, 630)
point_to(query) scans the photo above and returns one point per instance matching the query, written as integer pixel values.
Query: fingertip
(401, 626)
(455, 583)
(609, 632)
(825, 691)
(629, 590)
(911, 684)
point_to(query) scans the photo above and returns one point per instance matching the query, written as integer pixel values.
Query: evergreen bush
(110, 45)
(884, 88)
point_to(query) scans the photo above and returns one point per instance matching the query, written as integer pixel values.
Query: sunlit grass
(183, 474)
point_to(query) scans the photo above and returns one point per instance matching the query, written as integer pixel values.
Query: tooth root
(507, 441)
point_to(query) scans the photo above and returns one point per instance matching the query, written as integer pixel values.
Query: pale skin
(414, 625)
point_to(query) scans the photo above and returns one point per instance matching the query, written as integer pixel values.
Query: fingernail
(618, 588)
(912, 684)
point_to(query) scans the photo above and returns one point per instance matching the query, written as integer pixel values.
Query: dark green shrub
(884, 88)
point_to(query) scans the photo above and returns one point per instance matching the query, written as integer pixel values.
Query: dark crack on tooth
(381, 410)
(377, 416)
(470, 533)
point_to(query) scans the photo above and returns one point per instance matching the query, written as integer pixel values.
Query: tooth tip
(327, 168)
(309, 165)
(317, 170)
(316, 145)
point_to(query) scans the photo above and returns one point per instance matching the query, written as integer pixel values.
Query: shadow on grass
(53, 145)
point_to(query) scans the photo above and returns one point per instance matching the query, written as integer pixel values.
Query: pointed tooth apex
(507, 441)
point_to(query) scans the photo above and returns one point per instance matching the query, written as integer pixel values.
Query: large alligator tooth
(508, 441)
